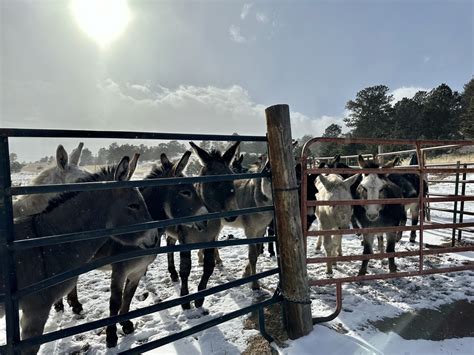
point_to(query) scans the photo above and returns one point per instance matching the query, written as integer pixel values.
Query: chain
(279, 293)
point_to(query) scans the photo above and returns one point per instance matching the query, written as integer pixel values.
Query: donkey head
(218, 196)
(373, 186)
(180, 200)
(127, 207)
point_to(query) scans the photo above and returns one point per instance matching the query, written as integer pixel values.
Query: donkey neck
(85, 211)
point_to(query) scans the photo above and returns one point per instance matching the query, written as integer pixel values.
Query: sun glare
(102, 20)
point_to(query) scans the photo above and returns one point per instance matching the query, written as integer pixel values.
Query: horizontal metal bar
(451, 211)
(2, 298)
(398, 254)
(61, 133)
(392, 275)
(415, 171)
(200, 327)
(390, 141)
(453, 181)
(95, 264)
(382, 201)
(108, 185)
(100, 233)
(67, 332)
(449, 164)
(373, 230)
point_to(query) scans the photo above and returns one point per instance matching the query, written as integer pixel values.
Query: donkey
(164, 202)
(182, 200)
(336, 164)
(373, 187)
(410, 186)
(246, 193)
(98, 210)
(334, 188)
(64, 172)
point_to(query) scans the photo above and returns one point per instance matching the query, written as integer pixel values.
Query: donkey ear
(121, 173)
(392, 163)
(181, 165)
(61, 157)
(230, 153)
(321, 165)
(323, 180)
(133, 165)
(241, 159)
(76, 154)
(336, 158)
(350, 181)
(266, 166)
(203, 156)
(361, 161)
(164, 160)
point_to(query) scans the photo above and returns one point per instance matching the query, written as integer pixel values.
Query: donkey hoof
(199, 302)
(77, 309)
(362, 272)
(186, 306)
(412, 239)
(59, 307)
(174, 278)
(255, 286)
(393, 268)
(111, 338)
(127, 327)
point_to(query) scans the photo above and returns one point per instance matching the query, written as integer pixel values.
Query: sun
(102, 20)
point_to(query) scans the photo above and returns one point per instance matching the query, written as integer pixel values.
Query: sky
(214, 66)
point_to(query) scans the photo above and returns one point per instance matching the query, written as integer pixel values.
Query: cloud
(245, 10)
(426, 59)
(235, 34)
(405, 91)
(261, 17)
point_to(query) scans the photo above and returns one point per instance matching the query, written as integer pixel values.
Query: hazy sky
(213, 66)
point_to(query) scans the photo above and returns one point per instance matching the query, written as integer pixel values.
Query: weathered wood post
(291, 250)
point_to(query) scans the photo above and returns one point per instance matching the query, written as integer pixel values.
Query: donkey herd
(42, 215)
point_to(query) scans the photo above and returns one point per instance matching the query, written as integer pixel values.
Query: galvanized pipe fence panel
(8, 245)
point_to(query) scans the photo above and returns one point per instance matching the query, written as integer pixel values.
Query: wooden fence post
(291, 249)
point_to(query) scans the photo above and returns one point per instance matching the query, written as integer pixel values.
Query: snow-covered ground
(350, 332)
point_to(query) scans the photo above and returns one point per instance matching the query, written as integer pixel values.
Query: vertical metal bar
(6, 258)
(426, 204)
(463, 193)
(421, 216)
(456, 192)
(304, 208)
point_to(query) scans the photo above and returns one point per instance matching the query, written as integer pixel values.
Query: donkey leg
(415, 215)
(403, 222)
(171, 268)
(73, 301)
(251, 268)
(128, 293)
(201, 257)
(380, 243)
(391, 240)
(209, 264)
(271, 233)
(328, 247)
(217, 257)
(184, 271)
(271, 248)
(320, 242)
(32, 322)
(115, 302)
(368, 244)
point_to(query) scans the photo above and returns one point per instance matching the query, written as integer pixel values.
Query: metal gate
(458, 225)
(8, 245)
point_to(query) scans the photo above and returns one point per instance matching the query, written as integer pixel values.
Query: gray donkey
(73, 212)
(65, 171)
(164, 202)
(246, 193)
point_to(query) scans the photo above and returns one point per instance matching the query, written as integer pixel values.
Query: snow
(362, 302)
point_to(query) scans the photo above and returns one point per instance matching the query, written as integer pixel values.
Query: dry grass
(451, 158)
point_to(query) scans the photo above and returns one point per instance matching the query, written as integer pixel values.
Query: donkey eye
(134, 206)
(185, 193)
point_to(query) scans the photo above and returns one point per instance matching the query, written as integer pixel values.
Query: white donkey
(65, 171)
(333, 187)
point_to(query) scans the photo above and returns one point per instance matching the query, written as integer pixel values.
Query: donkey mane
(106, 173)
(215, 153)
(156, 172)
